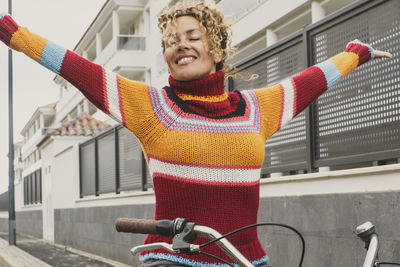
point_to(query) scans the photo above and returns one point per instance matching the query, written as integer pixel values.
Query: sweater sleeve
(280, 103)
(124, 100)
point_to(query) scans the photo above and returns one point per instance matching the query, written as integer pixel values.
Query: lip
(185, 62)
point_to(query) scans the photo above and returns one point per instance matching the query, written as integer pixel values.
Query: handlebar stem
(224, 244)
(372, 252)
(367, 233)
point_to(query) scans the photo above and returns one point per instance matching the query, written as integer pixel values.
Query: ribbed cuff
(7, 28)
(364, 51)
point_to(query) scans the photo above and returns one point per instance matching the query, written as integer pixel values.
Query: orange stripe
(136, 108)
(30, 44)
(208, 149)
(346, 62)
(218, 98)
(270, 101)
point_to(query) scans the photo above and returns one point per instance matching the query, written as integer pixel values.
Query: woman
(204, 147)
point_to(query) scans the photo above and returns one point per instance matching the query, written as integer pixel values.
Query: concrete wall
(92, 230)
(4, 201)
(326, 221)
(29, 222)
(4, 221)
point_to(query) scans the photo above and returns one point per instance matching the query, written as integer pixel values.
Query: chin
(186, 77)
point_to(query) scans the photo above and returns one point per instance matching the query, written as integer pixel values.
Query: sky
(61, 21)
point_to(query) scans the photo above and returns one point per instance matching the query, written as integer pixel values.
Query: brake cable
(262, 224)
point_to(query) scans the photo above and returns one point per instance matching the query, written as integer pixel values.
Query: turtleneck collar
(211, 85)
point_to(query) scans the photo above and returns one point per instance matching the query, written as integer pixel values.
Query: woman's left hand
(377, 53)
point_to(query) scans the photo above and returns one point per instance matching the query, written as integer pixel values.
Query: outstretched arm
(124, 100)
(279, 104)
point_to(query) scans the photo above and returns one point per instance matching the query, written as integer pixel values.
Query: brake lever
(153, 246)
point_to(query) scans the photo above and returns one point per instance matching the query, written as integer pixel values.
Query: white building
(124, 38)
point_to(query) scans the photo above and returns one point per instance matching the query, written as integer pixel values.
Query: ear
(218, 57)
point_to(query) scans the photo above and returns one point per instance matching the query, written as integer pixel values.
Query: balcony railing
(358, 120)
(112, 162)
(131, 42)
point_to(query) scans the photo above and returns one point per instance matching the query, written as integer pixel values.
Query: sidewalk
(31, 252)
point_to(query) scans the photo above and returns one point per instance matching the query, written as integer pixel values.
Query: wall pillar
(271, 37)
(85, 54)
(99, 45)
(85, 106)
(115, 24)
(317, 11)
(41, 121)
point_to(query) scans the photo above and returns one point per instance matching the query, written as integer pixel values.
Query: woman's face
(187, 50)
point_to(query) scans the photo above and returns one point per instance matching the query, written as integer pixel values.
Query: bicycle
(184, 233)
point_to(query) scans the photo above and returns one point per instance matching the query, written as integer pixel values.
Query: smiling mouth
(185, 60)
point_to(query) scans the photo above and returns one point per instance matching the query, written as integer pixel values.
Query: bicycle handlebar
(181, 227)
(181, 230)
(137, 226)
(147, 226)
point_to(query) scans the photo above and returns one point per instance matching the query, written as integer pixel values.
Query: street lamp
(11, 201)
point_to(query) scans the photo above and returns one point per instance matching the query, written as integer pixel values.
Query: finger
(382, 54)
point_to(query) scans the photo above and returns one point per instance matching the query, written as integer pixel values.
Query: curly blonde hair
(217, 30)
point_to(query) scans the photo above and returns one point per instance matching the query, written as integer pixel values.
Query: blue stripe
(52, 57)
(159, 256)
(331, 72)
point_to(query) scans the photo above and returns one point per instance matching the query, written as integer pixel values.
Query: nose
(183, 44)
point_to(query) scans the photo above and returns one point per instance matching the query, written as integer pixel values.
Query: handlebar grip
(140, 226)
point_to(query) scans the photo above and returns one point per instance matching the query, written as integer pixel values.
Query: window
(33, 188)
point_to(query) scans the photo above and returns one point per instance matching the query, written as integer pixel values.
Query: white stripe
(112, 95)
(203, 173)
(288, 101)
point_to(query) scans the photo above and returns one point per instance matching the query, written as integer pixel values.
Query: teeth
(185, 59)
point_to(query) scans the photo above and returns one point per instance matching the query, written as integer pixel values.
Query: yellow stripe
(219, 98)
(346, 62)
(30, 44)
(208, 148)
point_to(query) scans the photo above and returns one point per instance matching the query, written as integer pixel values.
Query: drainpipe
(11, 194)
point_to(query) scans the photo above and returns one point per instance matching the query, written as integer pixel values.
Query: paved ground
(54, 255)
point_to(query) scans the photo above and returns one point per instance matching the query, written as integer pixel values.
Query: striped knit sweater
(204, 147)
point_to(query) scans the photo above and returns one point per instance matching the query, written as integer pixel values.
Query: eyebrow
(191, 31)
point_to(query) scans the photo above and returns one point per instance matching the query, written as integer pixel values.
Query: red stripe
(121, 109)
(8, 28)
(85, 76)
(294, 98)
(361, 50)
(309, 84)
(202, 165)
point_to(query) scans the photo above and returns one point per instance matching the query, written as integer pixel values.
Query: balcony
(124, 50)
(131, 42)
